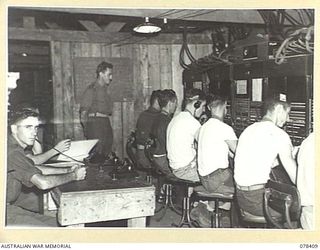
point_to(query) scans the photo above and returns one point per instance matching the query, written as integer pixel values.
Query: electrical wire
(59, 152)
(169, 13)
(67, 155)
(300, 41)
(196, 13)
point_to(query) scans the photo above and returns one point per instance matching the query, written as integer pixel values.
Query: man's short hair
(21, 114)
(272, 103)
(214, 101)
(165, 96)
(155, 95)
(192, 95)
(102, 67)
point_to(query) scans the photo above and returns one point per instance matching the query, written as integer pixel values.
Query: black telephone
(123, 170)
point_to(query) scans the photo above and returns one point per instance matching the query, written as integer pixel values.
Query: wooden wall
(155, 66)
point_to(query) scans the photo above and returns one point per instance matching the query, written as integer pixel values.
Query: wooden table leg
(76, 225)
(137, 222)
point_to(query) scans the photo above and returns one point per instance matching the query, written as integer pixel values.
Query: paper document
(78, 150)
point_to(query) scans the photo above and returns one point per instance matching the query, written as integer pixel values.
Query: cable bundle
(201, 64)
(299, 42)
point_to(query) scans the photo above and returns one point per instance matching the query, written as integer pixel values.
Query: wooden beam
(114, 26)
(52, 25)
(90, 25)
(29, 49)
(29, 59)
(29, 22)
(102, 37)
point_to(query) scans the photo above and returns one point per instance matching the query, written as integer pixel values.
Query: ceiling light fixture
(147, 27)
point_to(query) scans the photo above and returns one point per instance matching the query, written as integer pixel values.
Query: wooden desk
(99, 198)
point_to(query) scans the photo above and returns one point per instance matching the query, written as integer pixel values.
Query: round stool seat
(201, 192)
(174, 179)
(246, 216)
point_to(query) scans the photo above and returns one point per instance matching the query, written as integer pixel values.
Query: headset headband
(196, 97)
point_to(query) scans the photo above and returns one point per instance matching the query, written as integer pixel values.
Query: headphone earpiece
(197, 104)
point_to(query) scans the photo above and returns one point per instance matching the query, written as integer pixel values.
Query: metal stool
(168, 204)
(252, 220)
(131, 150)
(188, 187)
(201, 194)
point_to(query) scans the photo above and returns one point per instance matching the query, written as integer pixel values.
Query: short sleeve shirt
(182, 132)
(144, 124)
(306, 167)
(212, 147)
(258, 148)
(20, 169)
(159, 131)
(96, 99)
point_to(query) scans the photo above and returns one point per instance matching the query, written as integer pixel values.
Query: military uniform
(159, 132)
(98, 104)
(20, 170)
(143, 129)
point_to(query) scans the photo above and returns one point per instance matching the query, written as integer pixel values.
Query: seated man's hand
(63, 145)
(74, 167)
(80, 173)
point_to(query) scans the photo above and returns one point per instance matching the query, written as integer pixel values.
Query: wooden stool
(201, 194)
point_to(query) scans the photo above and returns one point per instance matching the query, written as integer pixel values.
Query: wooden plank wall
(155, 67)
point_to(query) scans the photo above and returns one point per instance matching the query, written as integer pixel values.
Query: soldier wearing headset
(182, 134)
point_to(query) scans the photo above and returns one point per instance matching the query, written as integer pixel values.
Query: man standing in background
(95, 109)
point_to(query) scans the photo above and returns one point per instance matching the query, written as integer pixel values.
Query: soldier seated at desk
(22, 172)
(30, 198)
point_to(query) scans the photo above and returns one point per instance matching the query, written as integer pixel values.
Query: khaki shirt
(96, 99)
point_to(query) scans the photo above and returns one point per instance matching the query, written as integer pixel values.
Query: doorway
(31, 59)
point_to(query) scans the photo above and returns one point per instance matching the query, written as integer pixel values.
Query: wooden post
(68, 91)
(144, 74)
(165, 67)
(137, 81)
(128, 122)
(177, 75)
(57, 90)
(153, 68)
(137, 222)
(29, 22)
(117, 129)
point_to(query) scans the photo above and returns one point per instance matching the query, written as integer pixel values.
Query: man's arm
(49, 181)
(48, 170)
(232, 144)
(288, 162)
(84, 120)
(60, 147)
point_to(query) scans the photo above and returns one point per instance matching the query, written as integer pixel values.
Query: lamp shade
(147, 27)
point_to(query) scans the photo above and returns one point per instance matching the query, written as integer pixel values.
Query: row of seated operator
(195, 152)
